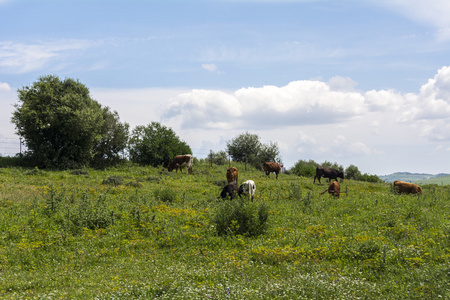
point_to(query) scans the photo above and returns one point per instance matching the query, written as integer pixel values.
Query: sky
(363, 83)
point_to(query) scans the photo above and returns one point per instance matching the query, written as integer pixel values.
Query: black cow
(231, 189)
(328, 173)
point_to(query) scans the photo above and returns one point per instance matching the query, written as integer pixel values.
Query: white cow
(248, 187)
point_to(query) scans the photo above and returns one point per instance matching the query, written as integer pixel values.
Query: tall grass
(153, 234)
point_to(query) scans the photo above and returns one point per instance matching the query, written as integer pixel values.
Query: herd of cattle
(249, 187)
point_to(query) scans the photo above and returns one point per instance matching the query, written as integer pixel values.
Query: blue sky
(354, 82)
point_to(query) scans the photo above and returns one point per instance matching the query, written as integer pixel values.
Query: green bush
(165, 195)
(240, 217)
(113, 180)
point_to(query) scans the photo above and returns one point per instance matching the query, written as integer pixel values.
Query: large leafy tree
(247, 147)
(59, 122)
(155, 145)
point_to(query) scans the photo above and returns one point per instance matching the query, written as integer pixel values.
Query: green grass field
(144, 233)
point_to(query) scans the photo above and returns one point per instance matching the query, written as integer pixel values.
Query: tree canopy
(62, 126)
(247, 147)
(155, 145)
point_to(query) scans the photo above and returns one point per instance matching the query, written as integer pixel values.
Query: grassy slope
(444, 180)
(369, 244)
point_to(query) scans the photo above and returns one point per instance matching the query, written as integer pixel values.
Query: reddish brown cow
(232, 175)
(181, 161)
(272, 167)
(407, 188)
(334, 189)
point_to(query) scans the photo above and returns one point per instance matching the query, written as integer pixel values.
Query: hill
(410, 177)
(439, 180)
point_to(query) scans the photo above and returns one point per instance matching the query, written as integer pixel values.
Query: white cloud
(4, 87)
(299, 102)
(434, 13)
(210, 67)
(22, 58)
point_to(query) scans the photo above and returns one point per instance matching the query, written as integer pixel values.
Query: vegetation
(248, 148)
(63, 127)
(143, 233)
(308, 169)
(156, 145)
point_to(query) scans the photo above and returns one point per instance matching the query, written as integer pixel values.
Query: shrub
(240, 217)
(165, 195)
(113, 180)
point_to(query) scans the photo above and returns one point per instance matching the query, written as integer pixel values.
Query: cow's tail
(323, 192)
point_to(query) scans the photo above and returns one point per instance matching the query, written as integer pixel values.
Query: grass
(144, 233)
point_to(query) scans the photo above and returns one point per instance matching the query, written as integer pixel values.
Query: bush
(305, 168)
(240, 217)
(165, 195)
(113, 180)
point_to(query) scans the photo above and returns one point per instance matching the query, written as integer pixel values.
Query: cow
(328, 173)
(407, 188)
(334, 189)
(248, 187)
(272, 167)
(229, 190)
(232, 175)
(181, 161)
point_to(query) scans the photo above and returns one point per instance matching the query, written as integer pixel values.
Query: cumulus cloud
(299, 102)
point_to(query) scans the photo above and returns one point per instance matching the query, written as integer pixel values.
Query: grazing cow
(271, 167)
(407, 188)
(232, 175)
(229, 190)
(181, 161)
(334, 189)
(248, 187)
(328, 173)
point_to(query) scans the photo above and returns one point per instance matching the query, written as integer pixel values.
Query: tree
(218, 158)
(155, 145)
(248, 148)
(305, 168)
(59, 121)
(352, 172)
(113, 142)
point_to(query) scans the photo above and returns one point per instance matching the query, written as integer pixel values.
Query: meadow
(144, 233)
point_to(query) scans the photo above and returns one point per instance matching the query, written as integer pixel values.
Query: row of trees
(308, 169)
(63, 128)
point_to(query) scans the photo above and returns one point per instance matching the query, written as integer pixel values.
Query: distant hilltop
(410, 177)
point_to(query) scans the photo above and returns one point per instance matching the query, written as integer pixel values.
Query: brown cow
(232, 175)
(407, 188)
(181, 161)
(272, 167)
(334, 189)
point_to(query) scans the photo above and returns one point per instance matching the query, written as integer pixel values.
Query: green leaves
(63, 127)
(156, 145)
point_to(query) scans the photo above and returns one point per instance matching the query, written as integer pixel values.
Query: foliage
(113, 142)
(304, 168)
(240, 217)
(155, 145)
(59, 122)
(219, 158)
(248, 148)
(352, 172)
